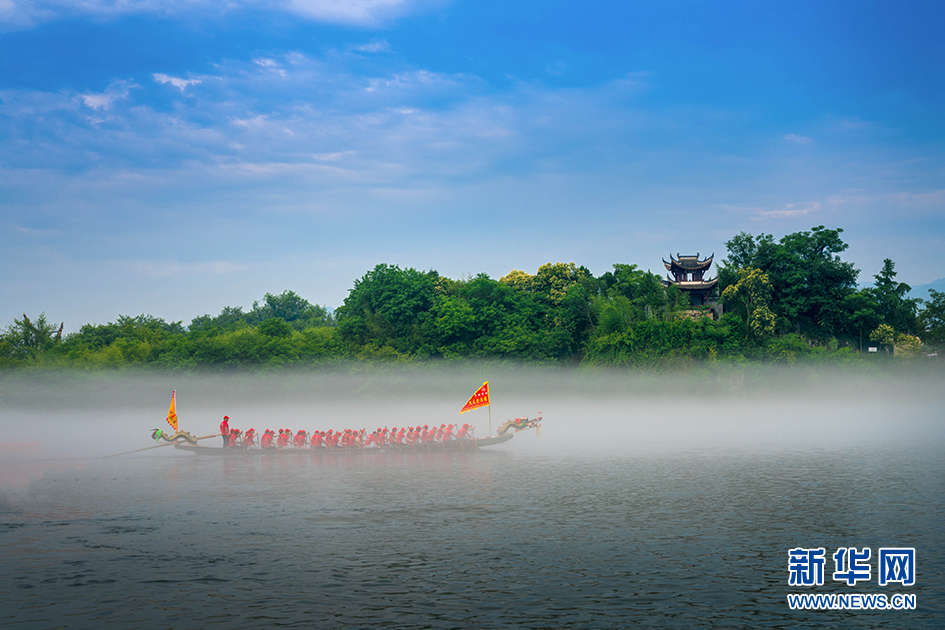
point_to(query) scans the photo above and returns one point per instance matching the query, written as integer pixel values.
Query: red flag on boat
(172, 412)
(479, 399)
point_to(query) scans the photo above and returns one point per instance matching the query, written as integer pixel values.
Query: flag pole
(490, 418)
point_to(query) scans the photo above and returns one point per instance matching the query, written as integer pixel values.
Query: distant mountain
(922, 290)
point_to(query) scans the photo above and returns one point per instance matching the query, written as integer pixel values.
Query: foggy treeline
(783, 301)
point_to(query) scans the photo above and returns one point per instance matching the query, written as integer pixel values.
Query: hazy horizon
(584, 410)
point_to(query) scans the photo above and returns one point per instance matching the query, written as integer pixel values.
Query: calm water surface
(497, 538)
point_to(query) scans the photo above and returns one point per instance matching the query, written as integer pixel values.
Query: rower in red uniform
(266, 441)
(249, 438)
(234, 438)
(225, 431)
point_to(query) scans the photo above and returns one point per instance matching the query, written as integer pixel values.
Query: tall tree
(809, 281)
(752, 292)
(932, 319)
(26, 339)
(894, 308)
(862, 314)
(390, 306)
(292, 308)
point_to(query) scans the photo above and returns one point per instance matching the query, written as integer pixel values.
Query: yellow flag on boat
(172, 412)
(479, 399)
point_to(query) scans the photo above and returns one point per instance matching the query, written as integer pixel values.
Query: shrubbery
(786, 301)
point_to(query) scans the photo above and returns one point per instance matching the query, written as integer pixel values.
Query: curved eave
(697, 285)
(699, 265)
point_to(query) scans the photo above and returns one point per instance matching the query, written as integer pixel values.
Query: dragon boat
(469, 444)
(184, 441)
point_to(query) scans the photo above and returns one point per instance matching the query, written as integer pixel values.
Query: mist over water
(661, 499)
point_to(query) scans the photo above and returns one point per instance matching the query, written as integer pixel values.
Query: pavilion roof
(688, 263)
(695, 285)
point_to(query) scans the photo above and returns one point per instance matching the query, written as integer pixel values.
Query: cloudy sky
(174, 157)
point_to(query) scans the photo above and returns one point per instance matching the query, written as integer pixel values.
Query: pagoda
(689, 275)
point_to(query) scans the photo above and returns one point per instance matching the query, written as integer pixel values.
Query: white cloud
(273, 66)
(416, 81)
(932, 200)
(323, 143)
(299, 129)
(116, 90)
(331, 157)
(180, 84)
(359, 12)
(791, 210)
(798, 139)
(254, 122)
(18, 14)
(374, 46)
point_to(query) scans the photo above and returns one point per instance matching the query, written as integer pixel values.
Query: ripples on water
(498, 538)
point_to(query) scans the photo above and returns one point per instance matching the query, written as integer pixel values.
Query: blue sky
(176, 157)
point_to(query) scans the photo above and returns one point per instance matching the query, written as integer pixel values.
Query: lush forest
(787, 300)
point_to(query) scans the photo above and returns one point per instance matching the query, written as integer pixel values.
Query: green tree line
(785, 300)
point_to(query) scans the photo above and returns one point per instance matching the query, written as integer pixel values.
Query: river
(680, 523)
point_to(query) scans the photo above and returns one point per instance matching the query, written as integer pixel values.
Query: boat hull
(432, 447)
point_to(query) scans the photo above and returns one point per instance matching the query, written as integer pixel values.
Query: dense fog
(56, 415)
